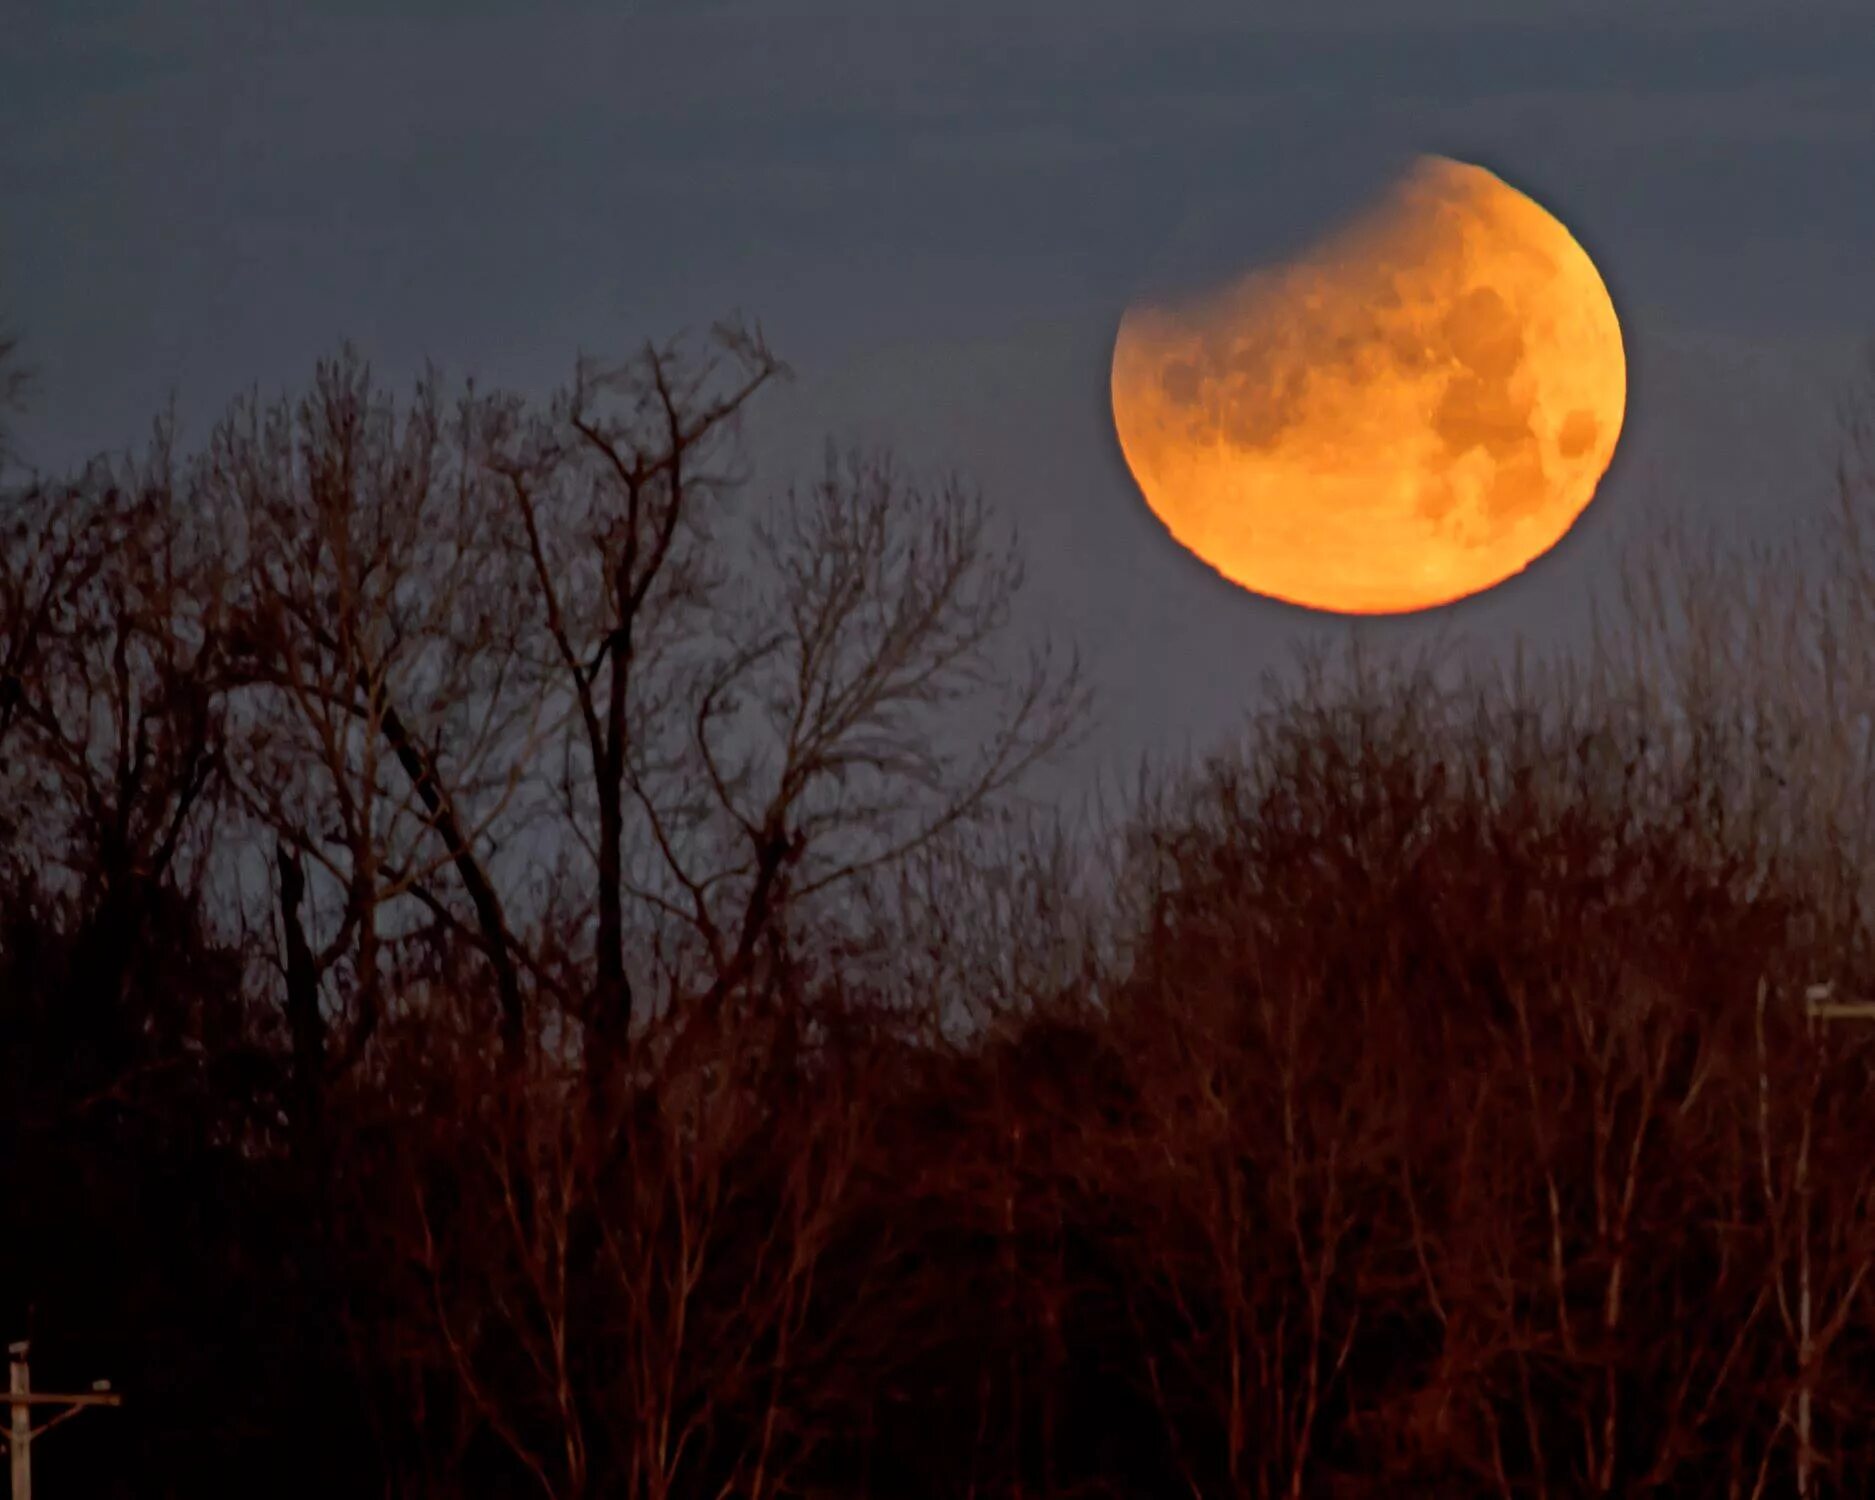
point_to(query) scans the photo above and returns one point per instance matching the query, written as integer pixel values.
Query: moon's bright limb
(1410, 412)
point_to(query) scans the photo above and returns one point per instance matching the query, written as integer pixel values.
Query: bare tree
(111, 719)
(666, 1363)
(863, 707)
(615, 498)
(387, 738)
(15, 382)
(758, 713)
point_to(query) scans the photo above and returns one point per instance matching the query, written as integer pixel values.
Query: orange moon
(1411, 411)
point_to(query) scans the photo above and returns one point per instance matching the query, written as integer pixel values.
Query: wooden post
(20, 1430)
(1821, 1004)
(22, 1398)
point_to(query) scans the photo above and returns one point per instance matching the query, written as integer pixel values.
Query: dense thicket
(516, 977)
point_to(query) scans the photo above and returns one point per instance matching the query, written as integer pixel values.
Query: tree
(770, 710)
(371, 619)
(15, 383)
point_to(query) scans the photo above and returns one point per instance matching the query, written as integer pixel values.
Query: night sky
(938, 212)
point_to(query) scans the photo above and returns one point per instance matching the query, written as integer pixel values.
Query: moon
(1411, 411)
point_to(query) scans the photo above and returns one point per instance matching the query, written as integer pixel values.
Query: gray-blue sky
(938, 210)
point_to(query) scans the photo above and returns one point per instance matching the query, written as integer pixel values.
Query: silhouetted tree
(524, 955)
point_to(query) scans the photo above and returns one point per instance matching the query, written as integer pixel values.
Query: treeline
(525, 969)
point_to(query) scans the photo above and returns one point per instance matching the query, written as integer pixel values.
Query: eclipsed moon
(1412, 411)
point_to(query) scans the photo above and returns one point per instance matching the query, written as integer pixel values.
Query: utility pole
(20, 1435)
(1820, 1004)
(22, 1398)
